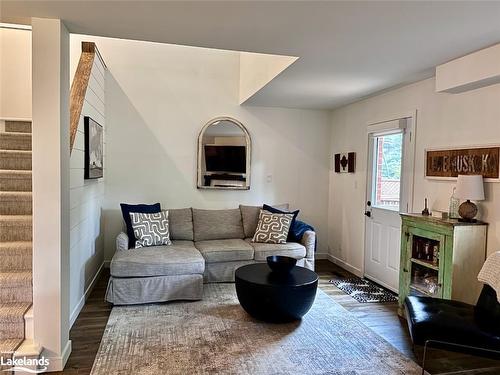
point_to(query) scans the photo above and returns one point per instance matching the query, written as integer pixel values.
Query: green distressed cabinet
(440, 258)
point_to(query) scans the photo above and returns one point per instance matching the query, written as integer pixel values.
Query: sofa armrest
(122, 242)
(309, 242)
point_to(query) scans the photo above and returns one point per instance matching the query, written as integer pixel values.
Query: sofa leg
(423, 357)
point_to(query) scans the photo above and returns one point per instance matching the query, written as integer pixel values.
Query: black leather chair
(456, 326)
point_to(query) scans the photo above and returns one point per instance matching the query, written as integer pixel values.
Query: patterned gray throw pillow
(150, 229)
(272, 228)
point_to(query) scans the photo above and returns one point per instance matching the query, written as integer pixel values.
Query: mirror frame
(199, 182)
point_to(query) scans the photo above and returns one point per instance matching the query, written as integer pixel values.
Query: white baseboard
(82, 300)
(345, 265)
(107, 263)
(321, 256)
(58, 363)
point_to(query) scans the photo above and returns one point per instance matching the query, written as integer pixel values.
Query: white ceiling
(348, 50)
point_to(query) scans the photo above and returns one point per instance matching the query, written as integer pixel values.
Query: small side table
(274, 297)
(450, 272)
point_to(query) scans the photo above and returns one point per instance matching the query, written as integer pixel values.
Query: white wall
(158, 97)
(258, 69)
(86, 196)
(15, 73)
(443, 120)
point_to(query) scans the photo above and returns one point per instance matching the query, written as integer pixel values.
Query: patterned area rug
(216, 336)
(364, 291)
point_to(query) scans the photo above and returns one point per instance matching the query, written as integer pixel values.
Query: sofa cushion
(272, 228)
(289, 249)
(225, 250)
(274, 210)
(150, 229)
(127, 209)
(181, 224)
(217, 224)
(450, 321)
(250, 217)
(282, 207)
(180, 258)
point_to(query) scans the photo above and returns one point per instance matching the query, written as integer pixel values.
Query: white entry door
(389, 191)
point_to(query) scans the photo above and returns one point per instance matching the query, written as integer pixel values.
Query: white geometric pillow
(272, 228)
(150, 229)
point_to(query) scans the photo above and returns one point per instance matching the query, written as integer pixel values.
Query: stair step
(28, 349)
(15, 141)
(15, 202)
(15, 228)
(16, 256)
(9, 345)
(18, 126)
(12, 319)
(12, 180)
(16, 287)
(15, 159)
(7, 349)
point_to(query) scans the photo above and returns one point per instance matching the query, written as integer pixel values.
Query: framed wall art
(345, 163)
(94, 149)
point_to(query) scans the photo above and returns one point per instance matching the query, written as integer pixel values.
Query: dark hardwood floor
(86, 333)
(382, 318)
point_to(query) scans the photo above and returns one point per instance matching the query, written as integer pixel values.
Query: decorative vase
(467, 211)
(454, 204)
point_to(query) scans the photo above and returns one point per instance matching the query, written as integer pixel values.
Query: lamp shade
(470, 187)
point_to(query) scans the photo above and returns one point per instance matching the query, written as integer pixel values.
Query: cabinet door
(426, 262)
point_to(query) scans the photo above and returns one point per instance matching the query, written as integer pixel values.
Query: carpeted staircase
(16, 290)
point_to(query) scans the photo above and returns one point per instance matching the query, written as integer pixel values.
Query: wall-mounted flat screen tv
(225, 159)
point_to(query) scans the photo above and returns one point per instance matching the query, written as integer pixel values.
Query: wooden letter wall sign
(468, 161)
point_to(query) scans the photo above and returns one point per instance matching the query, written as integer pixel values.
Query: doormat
(364, 291)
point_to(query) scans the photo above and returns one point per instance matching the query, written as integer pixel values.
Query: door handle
(368, 213)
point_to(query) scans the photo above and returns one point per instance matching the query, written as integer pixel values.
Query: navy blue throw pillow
(291, 237)
(141, 208)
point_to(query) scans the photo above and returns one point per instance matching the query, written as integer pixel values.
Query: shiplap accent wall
(86, 198)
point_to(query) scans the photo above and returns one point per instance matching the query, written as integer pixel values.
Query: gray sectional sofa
(207, 246)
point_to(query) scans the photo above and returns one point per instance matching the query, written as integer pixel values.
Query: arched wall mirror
(224, 151)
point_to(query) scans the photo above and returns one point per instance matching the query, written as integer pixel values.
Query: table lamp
(469, 187)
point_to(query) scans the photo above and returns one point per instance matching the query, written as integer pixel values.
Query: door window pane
(387, 168)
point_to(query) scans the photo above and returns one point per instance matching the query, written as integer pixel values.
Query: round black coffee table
(275, 297)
